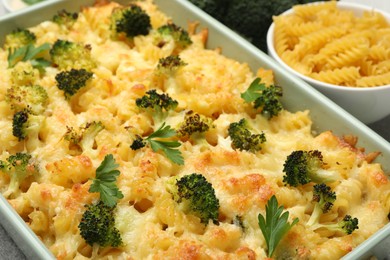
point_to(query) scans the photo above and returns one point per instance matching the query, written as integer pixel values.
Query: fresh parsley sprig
(105, 181)
(157, 143)
(275, 225)
(29, 53)
(266, 98)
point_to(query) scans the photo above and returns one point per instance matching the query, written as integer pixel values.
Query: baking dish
(298, 96)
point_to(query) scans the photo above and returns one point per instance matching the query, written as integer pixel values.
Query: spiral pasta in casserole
(71, 111)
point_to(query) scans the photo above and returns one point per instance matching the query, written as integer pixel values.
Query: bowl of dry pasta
(342, 49)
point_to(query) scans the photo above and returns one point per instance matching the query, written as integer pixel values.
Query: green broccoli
(33, 98)
(157, 105)
(216, 8)
(302, 167)
(169, 65)
(19, 167)
(19, 38)
(345, 226)
(194, 126)
(97, 226)
(242, 137)
(65, 18)
(324, 198)
(67, 55)
(72, 81)
(196, 196)
(128, 22)
(266, 98)
(84, 137)
(26, 125)
(255, 23)
(23, 73)
(176, 33)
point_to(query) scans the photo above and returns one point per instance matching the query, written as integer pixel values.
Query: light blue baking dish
(298, 95)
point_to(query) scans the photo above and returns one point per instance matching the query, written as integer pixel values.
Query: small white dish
(367, 104)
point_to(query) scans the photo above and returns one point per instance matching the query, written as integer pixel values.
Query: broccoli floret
(242, 137)
(67, 55)
(84, 137)
(157, 105)
(138, 143)
(72, 81)
(196, 196)
(26, 125)
(169, 65)
(302, 167)
(176, 33)
(19, 38)
(97, 226)
(265, 98)
(23, 73)
(345, 226)
(65, 18)
(257, 19)
(324, 198)
(19, 167)
(194, 125)
(128, 22)
(33, 98)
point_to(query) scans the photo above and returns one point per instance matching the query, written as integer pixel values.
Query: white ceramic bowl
(14, 5)
(366, 104)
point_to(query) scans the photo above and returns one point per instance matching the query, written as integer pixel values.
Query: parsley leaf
(266, 98)
(29, 53)
(167, 147)
(104, 182)
(275, 225)
(254, 91)
(156, 142)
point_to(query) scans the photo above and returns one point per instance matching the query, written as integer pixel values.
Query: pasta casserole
(124, 137)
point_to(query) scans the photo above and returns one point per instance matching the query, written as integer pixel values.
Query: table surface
(9, 250)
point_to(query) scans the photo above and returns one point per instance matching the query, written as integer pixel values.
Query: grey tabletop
(10, 251)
